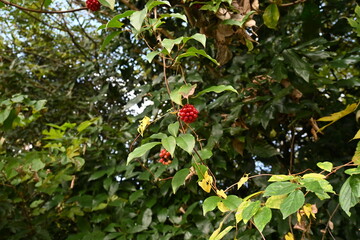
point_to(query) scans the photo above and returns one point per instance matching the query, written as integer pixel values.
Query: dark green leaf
(210, 203)
(140, 151)
(179, 179)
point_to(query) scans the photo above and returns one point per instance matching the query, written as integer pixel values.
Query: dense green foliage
(70, 112)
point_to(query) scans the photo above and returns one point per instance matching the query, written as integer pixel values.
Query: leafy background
(69, 114)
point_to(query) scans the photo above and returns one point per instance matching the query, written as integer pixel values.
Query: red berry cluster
(93, 5)
(165, 157)
(188, 113)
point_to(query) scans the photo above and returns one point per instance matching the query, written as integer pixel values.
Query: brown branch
(40, 10)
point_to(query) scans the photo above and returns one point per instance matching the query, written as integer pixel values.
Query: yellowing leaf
(206, 183)
(221, 206)
(275, 201)
(309, 210)
(357, 135)
(338, 115)
(216, 232)
(289, 236)
(314, 176)
(298, 216)
(242, 206)
(221, 194)
(143, 124)
(242, 180)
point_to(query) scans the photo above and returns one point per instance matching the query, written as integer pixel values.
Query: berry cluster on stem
(165, 157)
(188, 113)
(93, 5)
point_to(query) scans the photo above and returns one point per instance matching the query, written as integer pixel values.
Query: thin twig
(262, 235)
(327, 224)
(40, 10)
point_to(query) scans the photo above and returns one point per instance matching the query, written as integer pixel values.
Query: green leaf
(151, 4)
(349, 193)
(280, 188)
(179, 179)
(37, 164)
(169, 143)
(198, 37)
(86, 124)
(36, 203)
(195, 52)
(186, 142)
(150, 56)
(137, 19)
(147, 218)
(187, 90)
(250, 210)
(204, 154)
(158, 136)
(108, 39)
(200, 170)
(271, 16)
(140, 151)
(175, 15)
(210, 203)
(135, 196)
(350, 171)
(301, 67)
(173, 128)
(232, 202)
(314, 186)
(292, 203)
(217, 89)
(97, 174)
(168, 44)
(4, 114)
(175, 96)
(327, 166)
(281, 178)
(262, 217)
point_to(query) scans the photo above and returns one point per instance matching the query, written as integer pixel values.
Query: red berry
(93, 5)
(188, 113)
(167, 155)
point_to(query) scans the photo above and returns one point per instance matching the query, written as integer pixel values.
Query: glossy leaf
(349, 194)
(186, 142)
(169, 143)
(140, 151)
(179, 179)
(173, 128)
(217, 89)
